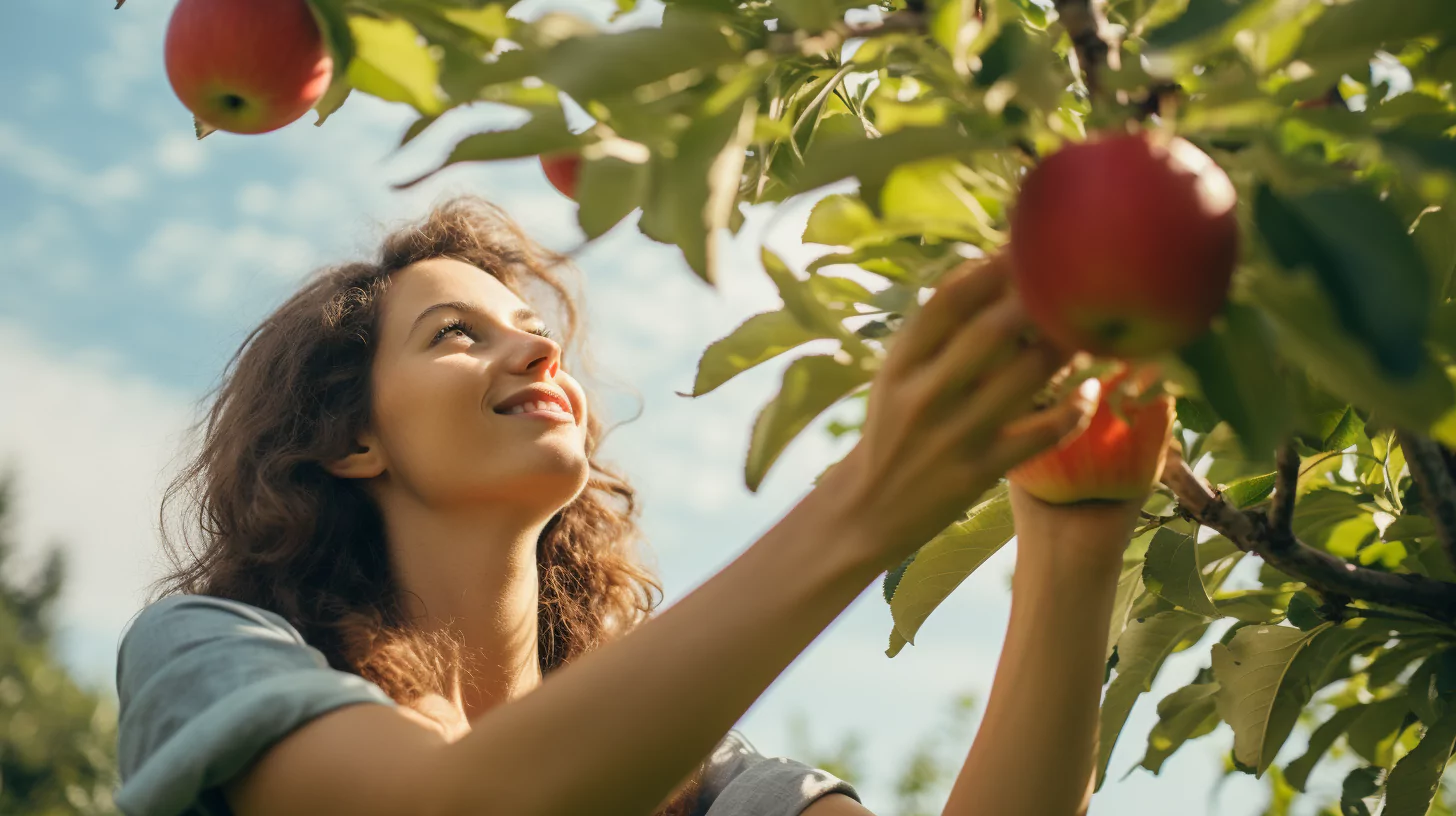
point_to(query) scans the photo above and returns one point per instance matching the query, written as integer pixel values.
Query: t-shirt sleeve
(739, 781)
(205, 685)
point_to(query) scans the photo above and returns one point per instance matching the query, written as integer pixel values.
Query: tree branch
(1428, 469)
(1250, 531)
(1083, 22)
(1286, 479)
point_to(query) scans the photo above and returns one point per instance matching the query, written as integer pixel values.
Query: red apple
(1124, 245)
(1118, 457)
(562, 170)
(246, 66)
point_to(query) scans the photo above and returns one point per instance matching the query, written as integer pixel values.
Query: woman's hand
(950, 412)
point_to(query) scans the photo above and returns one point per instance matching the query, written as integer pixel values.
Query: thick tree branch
(1286, 479)
(1083, 22)
(1428, 468)
(1251, 532)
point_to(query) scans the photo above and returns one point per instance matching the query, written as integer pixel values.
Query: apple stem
(1251, 531)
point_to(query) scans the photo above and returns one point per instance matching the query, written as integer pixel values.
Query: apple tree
(1303, 544)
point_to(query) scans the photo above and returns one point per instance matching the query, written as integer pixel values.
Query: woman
(383, 522)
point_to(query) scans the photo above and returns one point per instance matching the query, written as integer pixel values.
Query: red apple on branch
(1120, 455)
(246, 66)
(1124, 245)
(562, 170)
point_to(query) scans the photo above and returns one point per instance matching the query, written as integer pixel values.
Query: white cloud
(45, 245)
(59, 174)
(180, 153)
(214, 263)
(88, 444)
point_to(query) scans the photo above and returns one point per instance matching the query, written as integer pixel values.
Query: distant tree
(57, 738)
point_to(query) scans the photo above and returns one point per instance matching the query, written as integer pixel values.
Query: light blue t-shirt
(206, 684)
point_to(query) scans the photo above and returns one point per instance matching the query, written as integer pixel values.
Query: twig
(1083, 23)
(1286, 480)
(1428, 469)
(1250, 531)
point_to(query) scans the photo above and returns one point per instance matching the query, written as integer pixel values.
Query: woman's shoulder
(204, 685)
(740, 781)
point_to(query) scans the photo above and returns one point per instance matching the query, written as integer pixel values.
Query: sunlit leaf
(810, 385)
(948, 559)
(1416, 777)
(760, 338)
(1141, 650)
(1171, 571)
(1188, 713)
(392, 63)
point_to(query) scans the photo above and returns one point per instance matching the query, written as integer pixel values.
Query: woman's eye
(452, 326)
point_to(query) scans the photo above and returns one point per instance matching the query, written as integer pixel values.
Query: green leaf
(1297, 772)
(1234, 362)
(694, 192)
(1129, 586)
(333, 25)
(332, 100)
(1319, 512)
(1141, 650)
(1250, 491)
(544, 133)
(1373, 733)
(1303, 611)
(1365, 260)
(1431, 685)
(1251, 671)
(892, 578)
(811, 384)
(1188, 713)
(391, 63)
(802, 301)
(1388, 665)
(760, 338)
(843, 220)
(1171, 572)
(929, 198)
(872, 160)
(948, 559)
(1350, 34)
(607, 189)
(1311, 337)
(1359, 785)
(1201, 17)
(1195, 414)
(1416, 777)
(607, 65)
(1255, 605)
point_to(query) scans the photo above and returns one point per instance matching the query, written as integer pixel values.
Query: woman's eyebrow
(521, 315)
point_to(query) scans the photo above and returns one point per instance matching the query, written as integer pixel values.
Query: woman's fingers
(955, 302)
(1029, 435)
(1005, 393)
(985, 341)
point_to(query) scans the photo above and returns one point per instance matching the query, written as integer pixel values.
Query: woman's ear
(365, 462)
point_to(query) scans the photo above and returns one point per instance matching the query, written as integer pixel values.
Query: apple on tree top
(246, 66)
(1124, 245)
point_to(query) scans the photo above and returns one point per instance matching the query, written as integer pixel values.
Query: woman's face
(440, 371)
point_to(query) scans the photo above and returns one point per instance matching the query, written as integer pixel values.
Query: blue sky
(136, 258)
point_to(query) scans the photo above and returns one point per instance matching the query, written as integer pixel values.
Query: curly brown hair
(280, 532)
